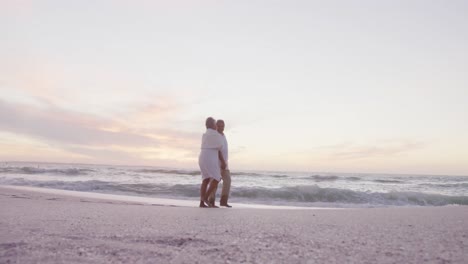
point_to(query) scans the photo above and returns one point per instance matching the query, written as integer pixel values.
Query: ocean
(304, 189)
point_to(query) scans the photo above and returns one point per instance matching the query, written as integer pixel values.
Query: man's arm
(221, 159)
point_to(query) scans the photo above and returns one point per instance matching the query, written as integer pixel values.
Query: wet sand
(40, 227)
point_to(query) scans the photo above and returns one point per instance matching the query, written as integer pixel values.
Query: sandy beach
(39, 227)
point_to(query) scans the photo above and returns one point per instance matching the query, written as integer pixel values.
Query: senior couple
(213, 162)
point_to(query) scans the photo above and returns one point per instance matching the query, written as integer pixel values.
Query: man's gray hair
(210, 122)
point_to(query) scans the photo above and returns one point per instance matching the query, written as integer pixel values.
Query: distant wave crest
(319, 178)
(34, 170)
(163, 171)
(388, 181)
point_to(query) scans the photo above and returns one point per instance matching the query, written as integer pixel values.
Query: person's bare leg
(212, 197)
(211, 188)
(203, 192)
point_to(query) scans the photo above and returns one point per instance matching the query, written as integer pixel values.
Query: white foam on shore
(146, 200)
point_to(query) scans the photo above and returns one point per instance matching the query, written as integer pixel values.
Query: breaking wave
(316, 194)
(307, 195)
(353, 178)
(448, 185)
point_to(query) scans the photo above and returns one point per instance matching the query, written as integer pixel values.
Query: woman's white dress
(212, 142)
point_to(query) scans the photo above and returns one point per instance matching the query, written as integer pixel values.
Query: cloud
(58, 125)
(380, 149)
(109, 110)
(238, 149)
(84, 137)
(16, 7)
(99, 86)
(144, 114)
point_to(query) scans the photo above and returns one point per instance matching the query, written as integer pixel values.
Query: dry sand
(38, 227)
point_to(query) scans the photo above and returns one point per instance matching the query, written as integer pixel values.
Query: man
(225, 173)
(209, 161)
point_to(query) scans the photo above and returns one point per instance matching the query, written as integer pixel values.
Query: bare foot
(203, 205)
(210, 205)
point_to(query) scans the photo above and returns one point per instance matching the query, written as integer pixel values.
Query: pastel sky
(326, 86)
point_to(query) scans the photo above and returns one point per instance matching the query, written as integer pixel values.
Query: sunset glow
(347, 86)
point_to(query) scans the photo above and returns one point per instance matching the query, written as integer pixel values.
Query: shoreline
(148, 200)
(39, 227)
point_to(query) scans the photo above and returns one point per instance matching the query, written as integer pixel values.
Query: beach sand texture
(40, 227)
